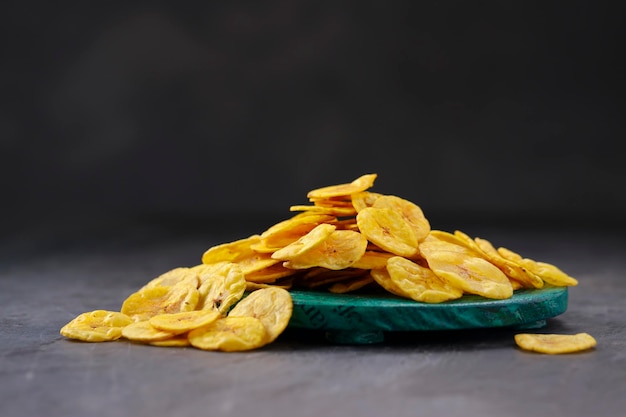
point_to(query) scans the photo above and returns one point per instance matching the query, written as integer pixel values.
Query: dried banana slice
(307, 242)
(409, 211)
(555, 344)
(185, 321)
(329, 210)
(547, 272)
(360, 184)
(364, 199)
(231, 251)
(181, 275)
(389, 230)
(148, 302)
(283, 233)
(230, 334)
(338, 251)
(473, 275)
(420, 283)
(143, 331)
(272, 306)
(373, 260)
(96, 326)
(222, 285)
(513, 270)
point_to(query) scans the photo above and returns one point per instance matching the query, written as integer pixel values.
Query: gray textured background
(130, 110)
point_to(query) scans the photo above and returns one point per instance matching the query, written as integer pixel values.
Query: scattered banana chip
(555, 343)
(347, 238)
(230, 334)
(185, 321)
(231, 251)
(272, 306)
(148, 302)
(182, 275)
(180, 340)
(96, 326)
(143, 331)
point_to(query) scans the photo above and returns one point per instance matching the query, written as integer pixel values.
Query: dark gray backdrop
(159, 112)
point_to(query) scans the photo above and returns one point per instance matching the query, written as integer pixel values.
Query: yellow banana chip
(360, 184)
(143, 331)
(179, 340)
(230, 334)
(364, 199)
(272, 306)
(283, 233)
(182, 275)
(338, 211)
(420, 283)
(148, 302)
(382, 278)
(555, 344)
(338, 251)
(520, 277)
(512, 269)
(307, 242)
(185, 321)
(373, 260)
(96, 326)
(547, 272)
(409, 211)
(222, 286)
(269, 275)
(389, 230)
(472, 274)
(231, 251)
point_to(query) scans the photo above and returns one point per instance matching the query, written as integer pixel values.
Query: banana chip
(364, 199)
(547, 272)
(360, 184)
(143, 331)
(223, 284)
(230, 334)
(287, 231)
(96, 326)
(185, 321)
(409, 211)
(272, 306)
(148, 302)
(389, 230)
(338, 251)
(182, 275)
(420, 283)
(555, 344)
(307, 242)
(232, 251)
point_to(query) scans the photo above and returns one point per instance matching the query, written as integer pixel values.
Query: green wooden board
(364, 318)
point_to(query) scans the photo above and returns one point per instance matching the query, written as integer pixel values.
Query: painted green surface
(354, 318)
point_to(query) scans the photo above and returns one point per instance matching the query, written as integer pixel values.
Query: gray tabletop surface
(43, 285)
